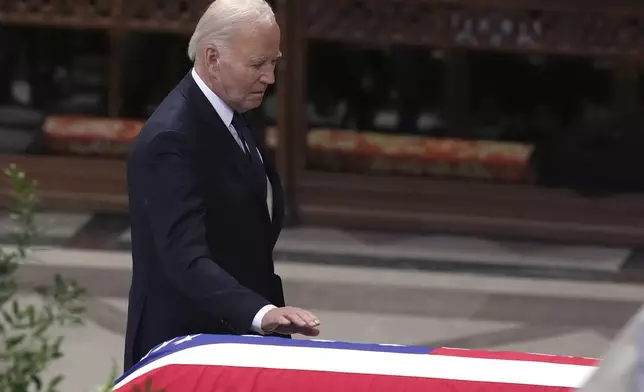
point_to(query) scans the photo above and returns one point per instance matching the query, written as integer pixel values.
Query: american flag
(218, 363)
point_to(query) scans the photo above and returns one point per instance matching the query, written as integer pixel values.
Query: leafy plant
(26, 349)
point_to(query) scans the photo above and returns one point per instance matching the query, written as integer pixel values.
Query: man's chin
(254, 103)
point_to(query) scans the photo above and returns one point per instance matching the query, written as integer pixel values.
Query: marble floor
(429, 251)
(366, 304)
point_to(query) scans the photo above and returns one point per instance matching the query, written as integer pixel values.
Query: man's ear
(212, 57)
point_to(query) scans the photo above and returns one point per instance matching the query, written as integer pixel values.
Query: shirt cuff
(257, 320)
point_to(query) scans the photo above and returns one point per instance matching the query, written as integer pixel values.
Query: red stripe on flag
(207, 378)
(515, 356)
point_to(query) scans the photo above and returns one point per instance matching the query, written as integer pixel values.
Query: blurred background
(458, 173)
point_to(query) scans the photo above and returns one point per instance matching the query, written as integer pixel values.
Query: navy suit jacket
(202, 237)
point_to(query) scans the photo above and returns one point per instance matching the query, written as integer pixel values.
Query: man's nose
(268, 77)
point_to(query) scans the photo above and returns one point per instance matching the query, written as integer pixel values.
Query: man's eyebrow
(261, 59)
(258, 59)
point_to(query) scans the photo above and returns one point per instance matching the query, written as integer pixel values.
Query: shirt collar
(224, 111)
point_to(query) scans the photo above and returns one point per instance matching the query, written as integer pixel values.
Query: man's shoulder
(172, 113)
(171, 119)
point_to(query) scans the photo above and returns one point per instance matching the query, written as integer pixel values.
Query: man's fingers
(283, 320)
(310, 318)
(297, 319)
(293, 329)
(290, 320)
(307, 318)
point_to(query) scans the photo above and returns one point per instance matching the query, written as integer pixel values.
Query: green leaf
(8, 318)
(15, 307)
(35, 379)
(148, 386)
(14, 341)
(53, 383)
(31, 314)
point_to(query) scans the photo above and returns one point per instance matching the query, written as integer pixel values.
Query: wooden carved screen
(589, 28)
(78, 13)
(164, 15)
(158, 15)
(548, 26)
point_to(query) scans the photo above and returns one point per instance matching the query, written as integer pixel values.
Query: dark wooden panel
(410, 204)
(71, 183)
(291, 98)
(380, 203)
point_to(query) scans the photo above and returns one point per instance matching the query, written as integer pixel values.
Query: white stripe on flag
(374, 362)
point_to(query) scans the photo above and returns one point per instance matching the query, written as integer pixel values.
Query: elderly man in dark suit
(206, 203)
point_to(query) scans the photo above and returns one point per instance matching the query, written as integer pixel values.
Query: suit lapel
(276, 183)
(216, 133)
(278, 196)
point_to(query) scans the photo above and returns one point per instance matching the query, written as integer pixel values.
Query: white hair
(222, 19)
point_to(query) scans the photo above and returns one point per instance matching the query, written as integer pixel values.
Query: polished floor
(429, 252)
(367, 304)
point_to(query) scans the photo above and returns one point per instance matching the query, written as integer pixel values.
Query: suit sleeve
(175, 209)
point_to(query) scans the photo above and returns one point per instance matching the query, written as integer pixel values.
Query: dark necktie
(250, 149)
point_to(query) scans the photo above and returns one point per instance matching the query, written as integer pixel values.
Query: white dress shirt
(225, 112)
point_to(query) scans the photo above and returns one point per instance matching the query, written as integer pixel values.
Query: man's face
(247, 68)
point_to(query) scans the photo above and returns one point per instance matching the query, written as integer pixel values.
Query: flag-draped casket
(209, 363)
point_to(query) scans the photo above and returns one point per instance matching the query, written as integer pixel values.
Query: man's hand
(289, 320)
